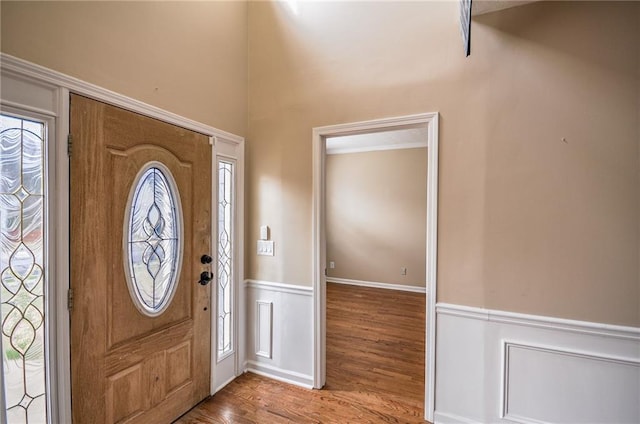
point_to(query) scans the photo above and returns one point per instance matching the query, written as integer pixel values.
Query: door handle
(205, 259)
(205, 278)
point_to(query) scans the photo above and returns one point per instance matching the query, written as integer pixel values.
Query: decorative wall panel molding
(279, 331)
(497, 366)
(264, 333)
(539, 385)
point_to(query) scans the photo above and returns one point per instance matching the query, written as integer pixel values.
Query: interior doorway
(376, 204)
(429, 124)
(376, 189)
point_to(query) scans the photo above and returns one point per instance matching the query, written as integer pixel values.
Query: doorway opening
(376, 204)
(428, 124)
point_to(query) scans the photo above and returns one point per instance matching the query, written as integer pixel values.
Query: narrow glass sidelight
(23, 274)
(225, 256)
(153, 239)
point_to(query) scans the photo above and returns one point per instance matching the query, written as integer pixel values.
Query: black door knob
(205, 278)
(205, 259)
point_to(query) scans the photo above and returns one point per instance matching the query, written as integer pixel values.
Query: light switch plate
(265, 247)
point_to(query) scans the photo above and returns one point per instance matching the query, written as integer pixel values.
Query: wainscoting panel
(264, 329)
(582, 383)
(279, 331)
(495, 366)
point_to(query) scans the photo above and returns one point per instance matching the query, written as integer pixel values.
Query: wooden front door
(140, 353)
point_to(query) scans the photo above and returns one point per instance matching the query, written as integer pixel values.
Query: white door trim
(39, 76)
(29, 98)
(430, 120)
(37, 73)
(234, 153)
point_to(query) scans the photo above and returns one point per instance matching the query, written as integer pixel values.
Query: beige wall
(376, 215)
(189, 58)
(527, 222)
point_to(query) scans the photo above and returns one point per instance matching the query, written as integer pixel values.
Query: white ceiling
(409, 138)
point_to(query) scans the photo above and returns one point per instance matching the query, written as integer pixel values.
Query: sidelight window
(23, 269)
(225, 256)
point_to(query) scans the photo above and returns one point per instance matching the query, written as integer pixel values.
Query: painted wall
(189, 58)
(376, 216)
(527, 222)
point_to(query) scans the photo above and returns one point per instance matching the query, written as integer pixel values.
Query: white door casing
(319, 134)
(44, 102)
(229, 364)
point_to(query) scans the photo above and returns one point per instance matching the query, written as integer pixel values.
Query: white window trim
(50, 260)
(232, 152)
(61, 85)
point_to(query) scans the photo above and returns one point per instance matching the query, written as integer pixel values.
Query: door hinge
(70, 300)
(325, 272)
(69, 144)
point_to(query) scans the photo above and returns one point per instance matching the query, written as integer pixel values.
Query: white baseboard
(279, 374)
(388, 286)
(444, 418)
(497, 366)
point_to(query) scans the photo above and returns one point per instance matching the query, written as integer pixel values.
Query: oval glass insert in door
(153, 239)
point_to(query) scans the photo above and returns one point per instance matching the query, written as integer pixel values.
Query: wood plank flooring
(375, 369)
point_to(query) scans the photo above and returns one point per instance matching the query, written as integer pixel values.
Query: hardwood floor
(375, 348)
(375, 369)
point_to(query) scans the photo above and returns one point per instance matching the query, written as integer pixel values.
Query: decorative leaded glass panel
(22, 277)
(225, 256)
(153, 239)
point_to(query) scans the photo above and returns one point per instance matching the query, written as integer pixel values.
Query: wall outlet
(332, 265)
(403, 271)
